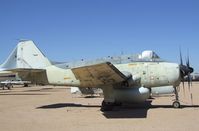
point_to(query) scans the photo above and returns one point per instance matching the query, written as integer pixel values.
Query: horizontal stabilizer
(36, 76)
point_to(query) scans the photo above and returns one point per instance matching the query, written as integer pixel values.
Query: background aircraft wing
(98, 75)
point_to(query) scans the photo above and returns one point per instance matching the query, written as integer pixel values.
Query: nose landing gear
(176, 103)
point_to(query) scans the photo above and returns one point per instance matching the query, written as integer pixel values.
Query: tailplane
(26, 55)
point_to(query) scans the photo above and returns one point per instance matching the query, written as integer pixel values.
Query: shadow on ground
(170, 106)
(139, 111)
(129, 111)
(22, 94)
(63, 105)
(46, 90)
(16, 92)
(119, 112)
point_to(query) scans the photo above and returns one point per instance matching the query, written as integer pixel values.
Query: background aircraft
(126, 78)
(9, 78)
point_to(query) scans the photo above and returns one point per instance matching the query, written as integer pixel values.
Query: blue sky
(67, 30)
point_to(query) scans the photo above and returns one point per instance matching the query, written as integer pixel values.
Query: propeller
(182, 72)
(185, 71)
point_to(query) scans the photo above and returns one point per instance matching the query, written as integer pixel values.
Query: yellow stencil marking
(132, 65)
(66, 78)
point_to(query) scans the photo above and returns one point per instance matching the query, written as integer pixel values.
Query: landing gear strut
(176, 103)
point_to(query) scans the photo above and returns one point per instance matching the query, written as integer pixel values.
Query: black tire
(106, 106)
(176, 104)
(25, 85)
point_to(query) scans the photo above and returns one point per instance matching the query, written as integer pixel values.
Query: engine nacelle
(132, 80)
(162, 90)
(131, 95)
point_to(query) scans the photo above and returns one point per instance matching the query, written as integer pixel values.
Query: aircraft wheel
(9, 87)
(25, 85)
(176, 104)
(107, 106)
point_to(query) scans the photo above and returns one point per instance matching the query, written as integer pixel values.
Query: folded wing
(98, 75)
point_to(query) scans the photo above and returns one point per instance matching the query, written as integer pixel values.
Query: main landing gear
(108, 106)
(176, 103)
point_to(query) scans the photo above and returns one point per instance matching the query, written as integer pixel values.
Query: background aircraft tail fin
(26, 55)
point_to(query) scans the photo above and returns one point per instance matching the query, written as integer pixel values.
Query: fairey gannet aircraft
(155, 91)
(127, 78)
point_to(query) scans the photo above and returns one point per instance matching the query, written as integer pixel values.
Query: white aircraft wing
(99, 75)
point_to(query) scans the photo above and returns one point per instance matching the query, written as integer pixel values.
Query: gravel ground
(54, 108)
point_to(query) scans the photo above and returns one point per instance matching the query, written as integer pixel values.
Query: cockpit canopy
(148, 54)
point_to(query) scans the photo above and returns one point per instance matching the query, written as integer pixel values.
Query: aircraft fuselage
(146, 74)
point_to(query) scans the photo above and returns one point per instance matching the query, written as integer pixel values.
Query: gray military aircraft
(126, 78)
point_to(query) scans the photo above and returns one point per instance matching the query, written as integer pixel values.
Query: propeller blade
(185, 71)
(189, 70)
(188, 65)
(189, 85)
(183, 87)
(178, 88)
(191, 80)
(191, 98)
(181, 61)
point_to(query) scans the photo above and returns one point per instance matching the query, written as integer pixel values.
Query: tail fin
(26, 55)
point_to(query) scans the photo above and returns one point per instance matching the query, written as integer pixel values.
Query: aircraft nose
(175, 76)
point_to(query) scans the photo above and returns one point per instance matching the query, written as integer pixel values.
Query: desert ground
(52, 108)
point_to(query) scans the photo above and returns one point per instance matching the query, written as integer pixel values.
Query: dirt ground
(54, 108)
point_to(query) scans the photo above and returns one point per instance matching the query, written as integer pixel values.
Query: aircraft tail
(26, 55)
